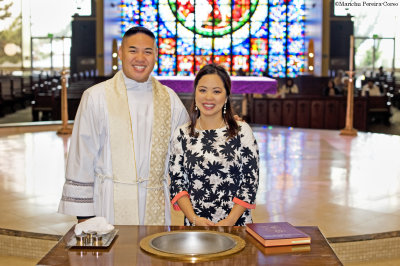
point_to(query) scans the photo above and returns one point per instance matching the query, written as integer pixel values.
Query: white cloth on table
(88, 189)
(96, 224)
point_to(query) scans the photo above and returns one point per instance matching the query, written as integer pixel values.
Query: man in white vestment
(118, 157)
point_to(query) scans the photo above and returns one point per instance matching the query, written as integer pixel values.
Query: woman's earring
(224, 108)
(195, 108)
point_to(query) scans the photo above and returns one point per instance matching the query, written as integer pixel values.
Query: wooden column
(64, 105)
(349, 130)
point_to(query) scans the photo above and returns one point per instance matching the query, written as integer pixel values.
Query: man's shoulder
(96, 89)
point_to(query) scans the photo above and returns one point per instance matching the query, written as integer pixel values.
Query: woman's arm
(186, 206)
(246, 194)
(233, 216)
(179, 186)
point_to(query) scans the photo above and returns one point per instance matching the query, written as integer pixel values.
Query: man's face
(138, 54)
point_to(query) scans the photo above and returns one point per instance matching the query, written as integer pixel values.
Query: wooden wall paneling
(317, 114)
(331, 114)
(360, 114)
(303, 114)
(289, 113)
(260, 111)
(275, 112)
(342, 113)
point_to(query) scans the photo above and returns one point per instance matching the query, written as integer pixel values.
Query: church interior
(327, 155)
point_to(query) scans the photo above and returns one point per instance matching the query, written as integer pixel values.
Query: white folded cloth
(96, 224)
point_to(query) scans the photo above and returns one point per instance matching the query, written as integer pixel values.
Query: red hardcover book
(277, 234)
(286, 249)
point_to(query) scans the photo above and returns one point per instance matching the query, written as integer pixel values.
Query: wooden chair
(44, 100)
(378, 109)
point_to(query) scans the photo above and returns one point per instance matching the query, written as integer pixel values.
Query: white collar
(137, 86)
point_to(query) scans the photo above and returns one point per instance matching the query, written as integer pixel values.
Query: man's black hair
(139, 29)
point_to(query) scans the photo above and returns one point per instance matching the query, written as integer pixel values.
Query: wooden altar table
(125, 250)
(240, 85)
(184, 84)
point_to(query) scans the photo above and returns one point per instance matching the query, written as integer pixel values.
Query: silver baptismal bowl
(193, 243)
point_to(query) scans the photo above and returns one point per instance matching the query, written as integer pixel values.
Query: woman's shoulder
(183, 129)
(244, 127)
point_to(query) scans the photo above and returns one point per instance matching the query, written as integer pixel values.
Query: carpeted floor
(25, 115)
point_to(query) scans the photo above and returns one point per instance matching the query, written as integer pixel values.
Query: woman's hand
(200, 221)
(225, 222)
(233, 216)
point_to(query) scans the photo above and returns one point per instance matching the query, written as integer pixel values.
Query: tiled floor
(344, 185)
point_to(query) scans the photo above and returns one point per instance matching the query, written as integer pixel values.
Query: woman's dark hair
(232, 126)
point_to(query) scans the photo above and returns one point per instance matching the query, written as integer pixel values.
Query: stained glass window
(255, 35)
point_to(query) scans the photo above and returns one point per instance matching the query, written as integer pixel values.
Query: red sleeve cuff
(244, 204)
(176, 198)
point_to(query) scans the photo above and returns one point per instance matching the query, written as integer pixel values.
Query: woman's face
(210, 96)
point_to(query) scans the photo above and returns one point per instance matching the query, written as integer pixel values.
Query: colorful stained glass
(213, 18)
(240, 61)
(262, 31)
(277, 46)
(277, 30)
(148, 12)
(202, 61)
(259, 46)
(243, 48)
(277, 13)
(167, 46)
(167, 64)
(296, 31)
(295, 15)
(225, 61)
(251, 34)
(222, 46)
(296, 46)
(203, 45)
(295, 65)
(185, 65)
(164, 31)
(258, 64)
(185, 46)
(276, 65)
(261, 13)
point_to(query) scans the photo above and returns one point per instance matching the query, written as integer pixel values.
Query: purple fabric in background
(239, 84)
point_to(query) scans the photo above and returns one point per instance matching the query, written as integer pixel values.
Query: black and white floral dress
(215, 172)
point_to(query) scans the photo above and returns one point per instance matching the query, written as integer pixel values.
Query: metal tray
(105, 242)
(193, 243)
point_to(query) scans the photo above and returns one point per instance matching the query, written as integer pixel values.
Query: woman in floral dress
(214, 159)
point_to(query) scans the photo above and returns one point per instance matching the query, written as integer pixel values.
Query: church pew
(17, 91)
(44, 99)
(6, 96)
(308, 112)
(379, 108)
